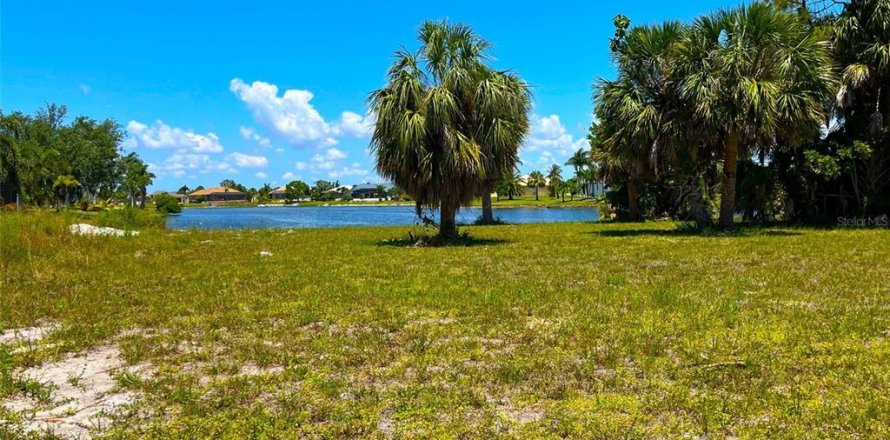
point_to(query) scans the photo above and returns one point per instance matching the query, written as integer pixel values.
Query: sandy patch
(83, 393)
(27, 335)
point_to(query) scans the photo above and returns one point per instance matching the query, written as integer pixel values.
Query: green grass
(532, 331)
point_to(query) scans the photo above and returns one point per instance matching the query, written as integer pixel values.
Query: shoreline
(384, 205)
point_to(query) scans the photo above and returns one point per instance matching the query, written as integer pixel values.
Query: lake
(341, 216)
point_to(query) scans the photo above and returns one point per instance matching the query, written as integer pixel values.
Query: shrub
(131, 218)
(167, 204)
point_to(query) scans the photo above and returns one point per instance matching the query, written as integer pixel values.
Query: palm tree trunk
(142, 198)
(536, 193)
(699, 208)
(487, 214)
(633, 199)
(447, 223)
(730, 163)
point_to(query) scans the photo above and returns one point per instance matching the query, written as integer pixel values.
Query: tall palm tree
(579, 160)
(535, 180)
(555, 178)
(755, 76)
(862, 36)
(639, 112)
(447, 126)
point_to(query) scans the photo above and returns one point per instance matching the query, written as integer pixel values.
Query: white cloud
(320, 163)
(352, 170)
(328, 161)
(549, 135)
(292, 117)
(85, 88)
(247, 161)
(288, 176)
(251, 135)
(261, 175)
(547, 159)
(353, 124)
(334, 154)
(182, 163)
(161, 135)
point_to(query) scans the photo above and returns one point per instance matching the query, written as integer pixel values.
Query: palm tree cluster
(771, 109)
(448, 126)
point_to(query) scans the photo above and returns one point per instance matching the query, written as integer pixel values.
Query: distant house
(589, 189)
(220, 194)
(337, 192)
(278, 193)
(369, 191)
(182, 198)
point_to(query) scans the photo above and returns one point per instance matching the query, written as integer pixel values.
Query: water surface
(340, 216)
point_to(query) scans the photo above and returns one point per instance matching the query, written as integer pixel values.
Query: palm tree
(535, 180)
(862, 36)
(511, 185)
(447, 126)
(66, 183)
(579, 160)
(639, 112)
(756, 76)
(554, 176)
(136, 178)
(572, 187)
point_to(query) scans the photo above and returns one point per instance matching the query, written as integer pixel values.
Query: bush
(167, 204)
(131, 218)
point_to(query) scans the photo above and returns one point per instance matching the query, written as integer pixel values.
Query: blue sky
(270, 92)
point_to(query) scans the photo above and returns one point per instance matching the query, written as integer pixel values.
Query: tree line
(45, 161)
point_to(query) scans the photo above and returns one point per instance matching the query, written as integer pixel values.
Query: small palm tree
(555, 178)
(535, 180)
(572, 187)
(511, 185)
(65, 183)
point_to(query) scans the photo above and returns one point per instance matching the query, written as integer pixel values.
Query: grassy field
(533, 331)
